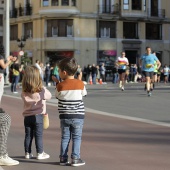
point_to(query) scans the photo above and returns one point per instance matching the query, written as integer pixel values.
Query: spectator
(84, 73)
(78, 74)
(98, 74)
(166, 73)
(47, 73)
(5, 119)
(94, 73)
(102, 72)
(15, 69)
(115, 74)
(55, 73)
(88, 73)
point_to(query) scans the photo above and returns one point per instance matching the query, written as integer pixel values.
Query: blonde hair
(32, 81)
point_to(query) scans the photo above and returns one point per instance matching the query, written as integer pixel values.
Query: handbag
(45, 121)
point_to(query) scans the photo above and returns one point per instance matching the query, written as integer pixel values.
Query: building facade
(94, 31)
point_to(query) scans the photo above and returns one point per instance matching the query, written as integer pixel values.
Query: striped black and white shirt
(69, 94)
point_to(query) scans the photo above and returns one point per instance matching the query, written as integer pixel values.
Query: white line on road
(128, 117)
(112, 115)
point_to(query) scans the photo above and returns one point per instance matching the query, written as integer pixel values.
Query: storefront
(55, 56)
(107, 57)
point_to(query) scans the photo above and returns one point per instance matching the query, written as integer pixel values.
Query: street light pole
(21, 42)
(7, 42)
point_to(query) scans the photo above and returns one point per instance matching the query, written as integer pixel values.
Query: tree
(25, 59)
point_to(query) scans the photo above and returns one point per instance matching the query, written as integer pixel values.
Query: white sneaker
(7, 161)
(28, 155)
(42, 156)
(15, 92)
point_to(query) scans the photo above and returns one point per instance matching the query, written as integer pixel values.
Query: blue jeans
(33, 127)
(71, 129)
(15, 80)
(47, 78)
(115, 78)
(94, 78)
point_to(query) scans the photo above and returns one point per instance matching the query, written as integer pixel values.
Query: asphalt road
(123, 130)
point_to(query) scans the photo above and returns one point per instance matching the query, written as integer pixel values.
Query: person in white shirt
(122, 62)
(37, 64)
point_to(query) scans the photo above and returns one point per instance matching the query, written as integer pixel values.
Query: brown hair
(69, 65)
(32, 81)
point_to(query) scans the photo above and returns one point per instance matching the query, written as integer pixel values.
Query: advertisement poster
(107, 56)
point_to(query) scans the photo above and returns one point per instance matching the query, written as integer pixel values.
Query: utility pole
(7, 35)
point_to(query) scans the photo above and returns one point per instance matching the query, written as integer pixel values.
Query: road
(123, 130)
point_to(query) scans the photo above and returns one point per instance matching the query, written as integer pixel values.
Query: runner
(154, 79)
(122, 62)
(147, 63)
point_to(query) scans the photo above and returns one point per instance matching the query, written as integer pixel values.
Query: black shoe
(77, 162)
(1, 110)
(63, 161)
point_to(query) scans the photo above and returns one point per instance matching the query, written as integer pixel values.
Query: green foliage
(25, 59)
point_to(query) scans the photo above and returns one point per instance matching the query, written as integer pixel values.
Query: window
(136, 4)
(105, 32)
(153, 31)
(54, 31)
(106, 6)
(130, 30)
(45, 2)
(54, 2)
(126, 4)
(65, 2)
(144, 5)
(60, 28)
(73, 2)
(1, 20)
(13, 32)
(28, 30)
(107, 29)
(69, 30)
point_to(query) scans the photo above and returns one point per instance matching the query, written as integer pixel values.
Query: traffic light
(1, 49)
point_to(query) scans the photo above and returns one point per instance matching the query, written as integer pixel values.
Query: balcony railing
(109, 9)
(13, 13)
(21, 11)
(156, 13)
(25, 11)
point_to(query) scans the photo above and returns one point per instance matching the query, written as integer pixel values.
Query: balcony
(21, 11)
(13, 13)
(156, 13)
(109, 9)
(58, 11)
